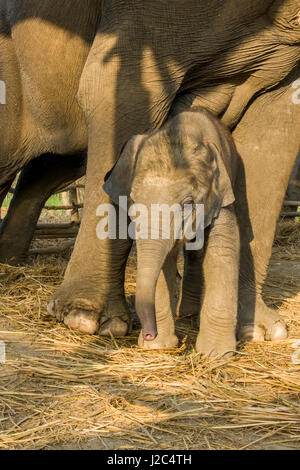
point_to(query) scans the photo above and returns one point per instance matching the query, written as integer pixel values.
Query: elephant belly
(41, 62)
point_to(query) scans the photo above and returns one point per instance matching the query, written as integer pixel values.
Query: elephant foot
(13, 252)
(215, 347)
(116, 320)
(81, 315)
(76, 318)
(12, 259)
(169, 341)
(267, 325)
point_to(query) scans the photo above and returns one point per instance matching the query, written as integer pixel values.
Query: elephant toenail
(51, 308)
(252, 333)
(81, 323)
(279, 332)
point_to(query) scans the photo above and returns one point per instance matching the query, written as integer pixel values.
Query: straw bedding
(60, 389)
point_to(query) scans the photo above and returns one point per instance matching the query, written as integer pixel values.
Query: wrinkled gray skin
(190, 160)
(76, 78)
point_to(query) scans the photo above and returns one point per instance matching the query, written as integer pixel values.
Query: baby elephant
(191, 161)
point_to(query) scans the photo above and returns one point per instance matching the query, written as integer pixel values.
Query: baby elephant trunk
(151, 257)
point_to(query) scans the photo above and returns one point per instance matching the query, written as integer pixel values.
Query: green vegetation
(55, 200)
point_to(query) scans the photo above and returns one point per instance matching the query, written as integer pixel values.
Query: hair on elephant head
(179, 163)
(187, 161)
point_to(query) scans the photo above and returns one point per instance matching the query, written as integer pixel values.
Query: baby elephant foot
(216, 347)
(162, 341)
(81, 319)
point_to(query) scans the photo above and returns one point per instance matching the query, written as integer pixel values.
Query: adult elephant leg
(114, 93)
(38, 180)
(268, 141)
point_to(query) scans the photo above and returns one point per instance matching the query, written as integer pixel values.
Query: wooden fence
(290, 213)
(72, 198)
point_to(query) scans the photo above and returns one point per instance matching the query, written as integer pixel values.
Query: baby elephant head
(167, 167)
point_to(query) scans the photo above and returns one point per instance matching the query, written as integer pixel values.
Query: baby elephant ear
(222, 192)
(119, 179)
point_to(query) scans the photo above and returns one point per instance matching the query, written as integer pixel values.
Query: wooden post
(74, 201)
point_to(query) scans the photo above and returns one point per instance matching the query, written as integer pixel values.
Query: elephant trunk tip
(146, 314)
(149, 337)
(149, 327)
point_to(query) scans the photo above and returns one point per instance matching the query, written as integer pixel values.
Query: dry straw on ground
(60, 389)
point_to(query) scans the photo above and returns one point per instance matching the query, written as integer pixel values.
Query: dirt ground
(63, 390)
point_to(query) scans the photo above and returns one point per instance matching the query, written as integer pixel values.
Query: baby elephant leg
(192, 284)
(218, 318)
(165, 307)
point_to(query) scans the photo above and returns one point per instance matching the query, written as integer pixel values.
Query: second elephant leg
(192, 284)
(165, 307)
(38, 180)
(268, 141)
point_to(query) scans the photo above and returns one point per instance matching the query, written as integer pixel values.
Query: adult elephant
(131, 60)
(40, 178)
